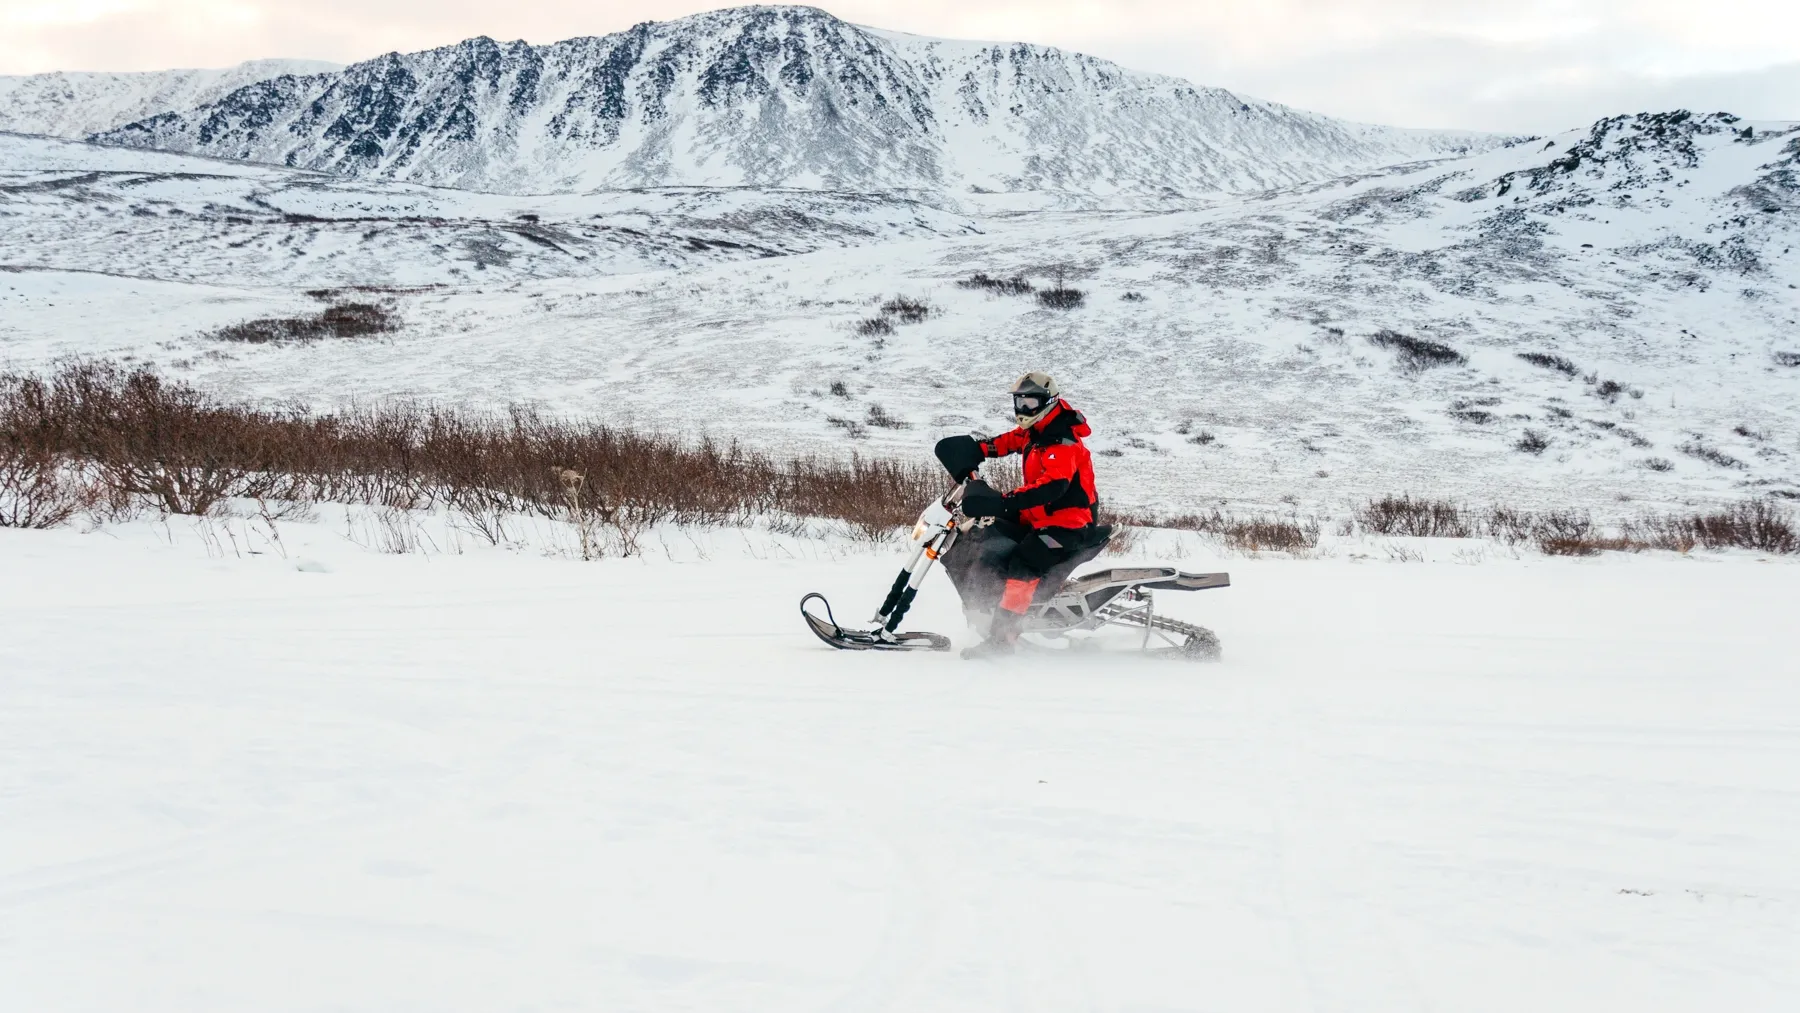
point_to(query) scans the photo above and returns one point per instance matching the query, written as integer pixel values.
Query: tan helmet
(1034, 395)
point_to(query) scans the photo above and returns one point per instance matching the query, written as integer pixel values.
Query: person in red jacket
(1051, 513)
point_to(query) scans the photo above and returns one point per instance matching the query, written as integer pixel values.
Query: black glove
(961, 455)
(980, 500)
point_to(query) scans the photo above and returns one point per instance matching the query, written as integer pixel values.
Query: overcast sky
(1523, 65)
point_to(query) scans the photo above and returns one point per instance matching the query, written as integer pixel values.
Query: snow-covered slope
(75, 104)
(776, 96)
(1223, 352)
(247, 224)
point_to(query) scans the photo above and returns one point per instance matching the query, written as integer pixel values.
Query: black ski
(828, 630)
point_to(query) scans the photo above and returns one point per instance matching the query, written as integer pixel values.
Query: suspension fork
(906, 584)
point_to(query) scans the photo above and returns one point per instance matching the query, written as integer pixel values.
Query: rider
(1051, 513)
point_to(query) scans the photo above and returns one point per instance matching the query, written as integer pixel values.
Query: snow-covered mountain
(1318, 343)
(776, 96)
(74, 104)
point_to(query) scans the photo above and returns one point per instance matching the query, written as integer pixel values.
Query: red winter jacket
(1058, 491)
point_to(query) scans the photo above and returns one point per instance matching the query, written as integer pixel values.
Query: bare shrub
(1271, 534)
(1592, 545)
(1246, 534)
(168, 442)
(874, 327)
(1061, 297)
(344, 320)
(1757, 525)
(39, 487)
(1657, 464)
(1202, 438)
(1016, 285)
(1555, 532)
(1533, 442)
(852, 428)
(1213, 523)
(1477, 416)
(1132, 297)
(1123, 541)
(880, 419)
(873, 496)
(1417, 353)
(1668, 531)
(1609, 390)
(1003, 472)
(840, 389)
(1546, 360)
(1417, 518)
(906, 311)
(186, 451)
(1511, 526)
(1402, 554)
(1566, 533)
(1711, 455)
(1787, 358)
(38, 491)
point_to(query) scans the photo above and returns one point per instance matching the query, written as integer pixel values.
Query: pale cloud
(1534, 65)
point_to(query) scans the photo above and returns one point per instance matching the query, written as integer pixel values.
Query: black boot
(1002, 638)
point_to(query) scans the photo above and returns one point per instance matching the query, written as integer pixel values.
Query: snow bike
(1064, 604)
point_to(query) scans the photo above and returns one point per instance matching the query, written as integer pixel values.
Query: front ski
(828, 630)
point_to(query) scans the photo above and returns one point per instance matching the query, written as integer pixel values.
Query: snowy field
(339, 779)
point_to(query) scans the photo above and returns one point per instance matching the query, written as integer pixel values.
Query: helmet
(1033, 396)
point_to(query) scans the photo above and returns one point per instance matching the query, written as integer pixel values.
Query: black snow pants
(1003, 565)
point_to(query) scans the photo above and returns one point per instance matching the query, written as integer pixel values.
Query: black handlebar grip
(960, 456)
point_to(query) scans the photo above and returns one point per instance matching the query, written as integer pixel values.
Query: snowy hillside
(75, 104)
(263, 225)
(776, 96)
(1228, 352)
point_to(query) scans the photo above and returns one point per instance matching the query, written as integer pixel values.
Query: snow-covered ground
(322, 777)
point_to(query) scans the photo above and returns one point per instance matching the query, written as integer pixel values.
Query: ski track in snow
(493, 780)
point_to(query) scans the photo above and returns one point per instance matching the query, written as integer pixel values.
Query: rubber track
(1115, 614)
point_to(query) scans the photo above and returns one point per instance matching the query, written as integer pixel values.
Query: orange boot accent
(1018, 595)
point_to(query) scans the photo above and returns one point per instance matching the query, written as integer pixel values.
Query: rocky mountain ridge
(777, 96)
(74, 104)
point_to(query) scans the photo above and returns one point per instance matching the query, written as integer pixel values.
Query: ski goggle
(1028, 404)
